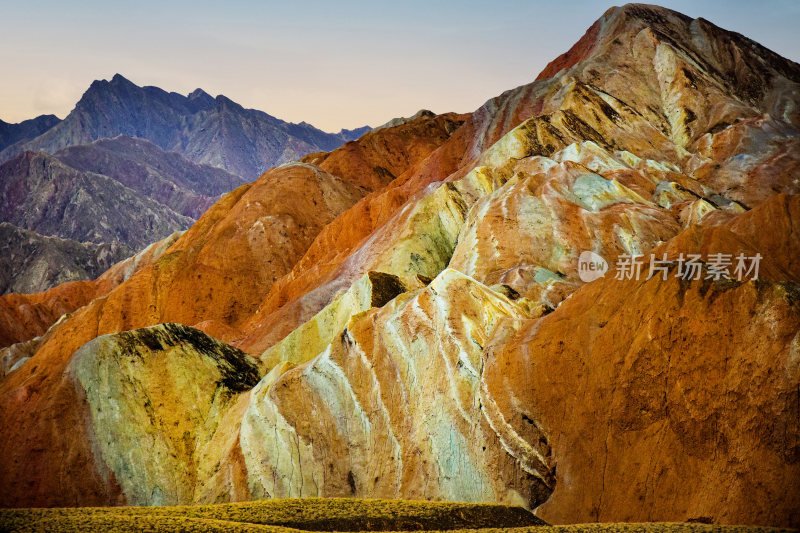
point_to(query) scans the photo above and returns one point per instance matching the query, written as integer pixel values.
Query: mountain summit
(205, 130)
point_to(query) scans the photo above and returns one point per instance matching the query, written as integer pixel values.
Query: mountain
(397, 121)
(379, 157)
(40, 193)
(435, 338)
(279, 220)
(352, 135)
(139, 138)
(112, 196)
(187, 188)
(31, 261)
(205, 130)
(26, 130)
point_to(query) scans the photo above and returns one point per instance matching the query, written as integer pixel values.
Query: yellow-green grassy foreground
(302, 515)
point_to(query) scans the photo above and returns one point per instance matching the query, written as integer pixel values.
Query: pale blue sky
(333, 64)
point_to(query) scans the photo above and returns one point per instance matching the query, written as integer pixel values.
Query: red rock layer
(25, 316)
(380, 156)
(281, 311)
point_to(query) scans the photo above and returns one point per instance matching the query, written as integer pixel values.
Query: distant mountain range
(40, 193)
(127, 167)
(215, 131)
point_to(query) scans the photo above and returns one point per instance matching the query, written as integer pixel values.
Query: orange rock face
(679, 409)
(371, 162)
(25, 316)
(434, 338)
(380, 156)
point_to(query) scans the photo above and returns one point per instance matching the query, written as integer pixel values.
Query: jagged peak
(199, 94)
(225, 102)
(364, 128)
(605, 28)
(119, 79)
(354, 133)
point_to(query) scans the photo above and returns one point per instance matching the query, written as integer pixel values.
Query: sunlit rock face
(399, 409)
(155, 397)
(379, 156)
(434, 339)
(663, 92)
(211, 277)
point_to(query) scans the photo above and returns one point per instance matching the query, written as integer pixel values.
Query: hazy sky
(333, 64)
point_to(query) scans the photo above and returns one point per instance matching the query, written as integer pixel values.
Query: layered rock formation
(434, 339)
(172, 385)
(139, 137)
(408, 146)
(212, 277)
(205, 130)
(703, 393)
(399, 408)
(26, 319)
(379, 157)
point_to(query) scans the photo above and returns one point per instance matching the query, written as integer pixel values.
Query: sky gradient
(334, 64)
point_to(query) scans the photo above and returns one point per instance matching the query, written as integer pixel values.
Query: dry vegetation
(293, 516)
